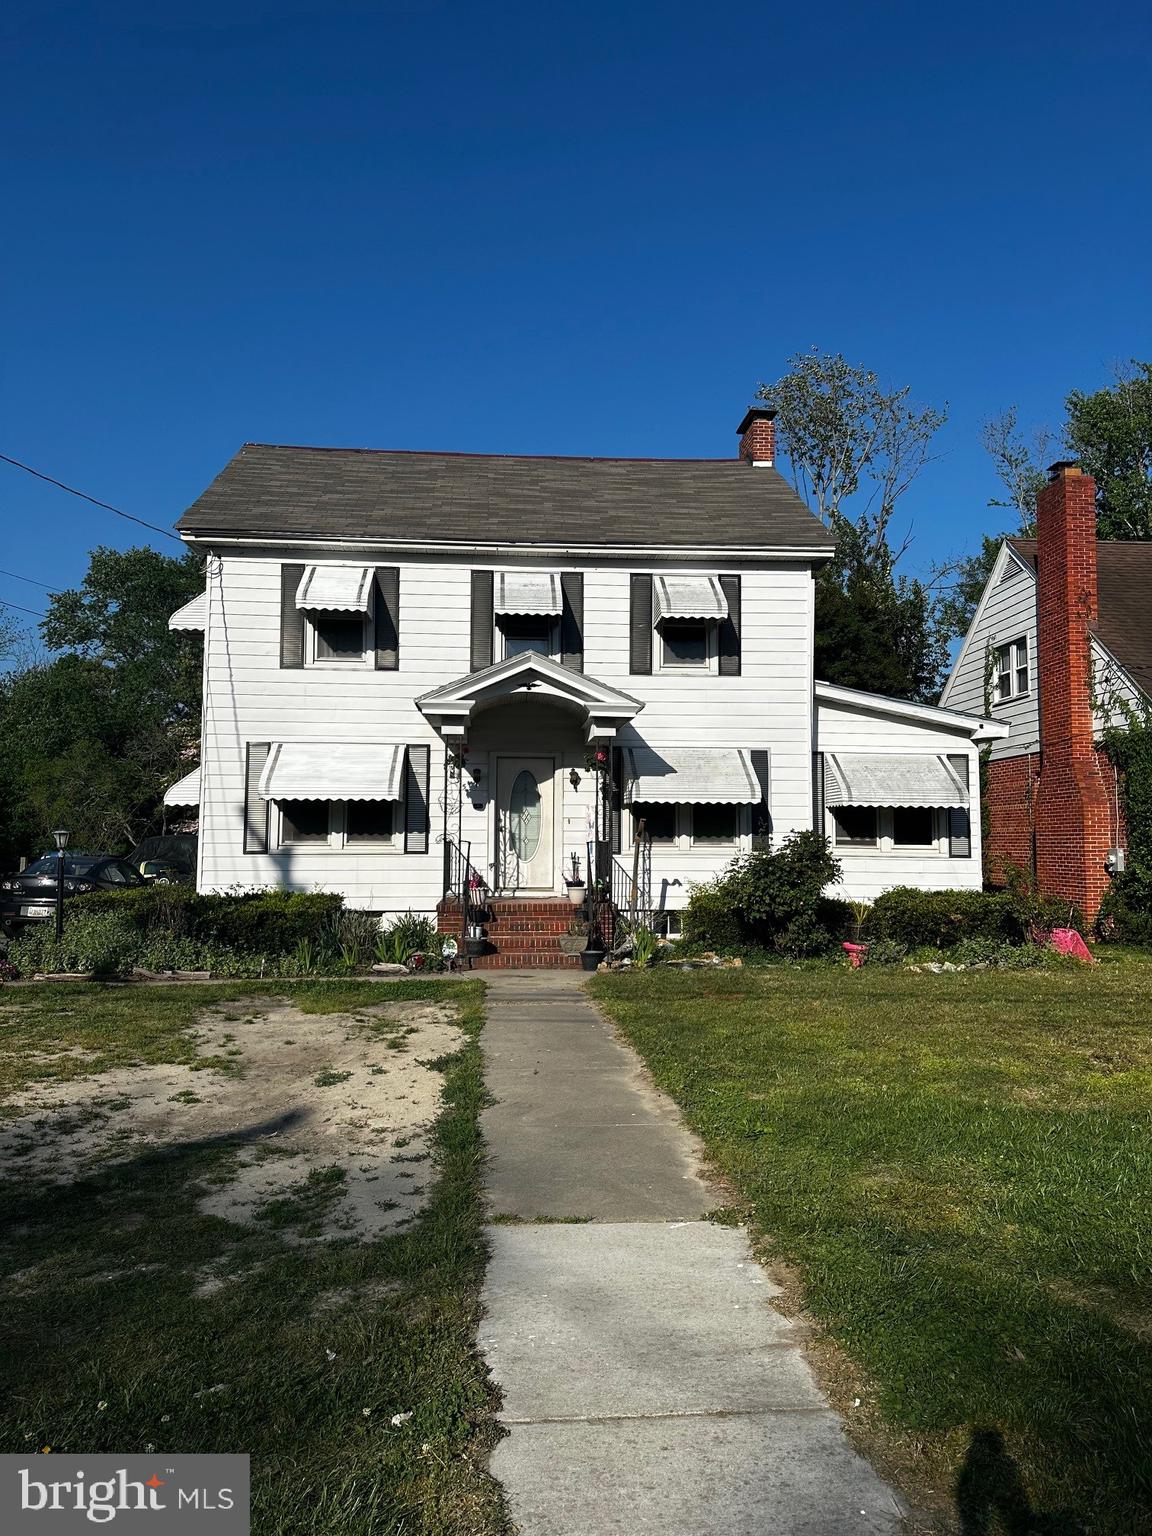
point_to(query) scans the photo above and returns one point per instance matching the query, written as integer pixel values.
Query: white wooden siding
(868, 871)
(248, 697)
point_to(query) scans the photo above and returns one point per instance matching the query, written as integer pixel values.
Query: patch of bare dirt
(304, 1093)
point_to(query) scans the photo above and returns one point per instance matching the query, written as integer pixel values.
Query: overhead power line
(84, 496)
(16, 576)
(4, 603)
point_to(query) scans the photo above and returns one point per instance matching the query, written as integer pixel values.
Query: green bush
(771, 898)
(259, 922)
(408, 935)
(1126, 911)
(943, 919)
(102, 943)
(710, 921)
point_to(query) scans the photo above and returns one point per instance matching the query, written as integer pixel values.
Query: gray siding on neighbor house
(1008, 614)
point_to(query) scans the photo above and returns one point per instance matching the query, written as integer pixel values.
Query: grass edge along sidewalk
(107, 1347)
(958, 1168)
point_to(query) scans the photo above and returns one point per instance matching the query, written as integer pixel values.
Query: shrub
(942, 919)
(773, 898)
(710, 921)
(258, 922)
(100, 942)
(1126, 911)
(406, 936)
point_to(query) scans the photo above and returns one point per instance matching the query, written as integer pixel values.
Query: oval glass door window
(524, 816)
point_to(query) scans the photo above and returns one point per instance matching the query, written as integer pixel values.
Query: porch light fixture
(476, 774)
(60, 838)
(574, 779)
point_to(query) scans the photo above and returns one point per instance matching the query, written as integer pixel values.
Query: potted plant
(575, 941)
(575, 883)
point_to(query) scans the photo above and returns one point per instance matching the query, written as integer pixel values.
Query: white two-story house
(427, 667)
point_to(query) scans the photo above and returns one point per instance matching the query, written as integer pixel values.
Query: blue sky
(548, 229)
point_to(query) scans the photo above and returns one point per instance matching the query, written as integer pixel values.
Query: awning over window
(689, 597)
(527, 592)
(332, 770)
(891, 779)
(335, 588)
(690, 776)
(185, 791)
(193, 615)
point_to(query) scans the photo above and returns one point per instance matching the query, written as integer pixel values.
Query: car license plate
(38, 911)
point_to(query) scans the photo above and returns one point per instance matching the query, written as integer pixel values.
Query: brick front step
(527, 960)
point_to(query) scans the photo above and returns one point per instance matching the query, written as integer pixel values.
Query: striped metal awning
(185, 791)
(193, 615)
(335, 588)
(333, 770)
(690, 776)
(892, 779)
(688, 597)
(527, 592)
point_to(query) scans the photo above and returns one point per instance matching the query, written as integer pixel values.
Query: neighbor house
(1060, 646)
(430, 671)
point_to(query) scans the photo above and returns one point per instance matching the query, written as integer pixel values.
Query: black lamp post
(61, 837)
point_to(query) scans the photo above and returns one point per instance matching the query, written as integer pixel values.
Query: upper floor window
(338, 637)
(685, 643)
(1010, 674)
(527, 632)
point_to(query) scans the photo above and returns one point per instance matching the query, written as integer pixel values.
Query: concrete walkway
(650, 1387)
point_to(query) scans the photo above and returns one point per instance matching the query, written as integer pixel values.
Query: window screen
(913, 826)
(854, 824)
(304, 821)
(714, 823)
(370, 821)
(684, 642)
(338, 638)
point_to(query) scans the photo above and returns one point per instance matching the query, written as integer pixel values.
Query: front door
(524, 824)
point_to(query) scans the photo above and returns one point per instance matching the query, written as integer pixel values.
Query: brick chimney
(1073, 821)
(758, 436)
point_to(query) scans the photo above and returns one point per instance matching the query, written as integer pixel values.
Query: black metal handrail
(464, 883)
(616, 893)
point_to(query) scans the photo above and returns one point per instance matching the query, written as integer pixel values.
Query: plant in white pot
(575, 883)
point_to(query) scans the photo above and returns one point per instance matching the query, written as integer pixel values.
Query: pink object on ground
(857, 953)
(1066, 941)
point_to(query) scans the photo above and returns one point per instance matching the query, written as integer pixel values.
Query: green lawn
(107, 1348)
(960, 1168)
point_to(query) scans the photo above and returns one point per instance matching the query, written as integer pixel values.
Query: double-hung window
(1010, 668)
(337, 823)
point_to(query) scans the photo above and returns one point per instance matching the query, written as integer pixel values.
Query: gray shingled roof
(354, 493)
(1124, 586)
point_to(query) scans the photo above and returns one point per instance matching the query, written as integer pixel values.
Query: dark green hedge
(1126, 911)
(942, 919)
(260, 923)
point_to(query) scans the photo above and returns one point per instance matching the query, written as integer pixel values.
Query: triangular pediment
(529, 674)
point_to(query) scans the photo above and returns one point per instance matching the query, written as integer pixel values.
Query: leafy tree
(854, 450)
(90, 739)
(1110, 433)
(1019, 463)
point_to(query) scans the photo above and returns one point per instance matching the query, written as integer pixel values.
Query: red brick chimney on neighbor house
(758, 436)
(1073, 815)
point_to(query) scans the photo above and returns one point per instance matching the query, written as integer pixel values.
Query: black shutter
(386, 617)
(255, 809)
(959, 819)
(959, 833)
(572, 620)
(616, 797)
(818, 816)
(416, 765)
(761, 815)
(640, 625)
(730, 628)
(481, 620)
(291, 617)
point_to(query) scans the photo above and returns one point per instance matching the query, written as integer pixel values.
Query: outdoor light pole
(61, 837)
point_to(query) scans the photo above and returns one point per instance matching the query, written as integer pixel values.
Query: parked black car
(30, 896)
